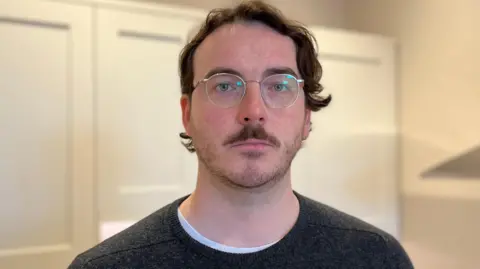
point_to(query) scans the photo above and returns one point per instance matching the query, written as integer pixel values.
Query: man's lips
(252, 144)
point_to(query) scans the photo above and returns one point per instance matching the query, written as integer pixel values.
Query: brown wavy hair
(258, 11)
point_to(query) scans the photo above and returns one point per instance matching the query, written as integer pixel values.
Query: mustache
(252, 132)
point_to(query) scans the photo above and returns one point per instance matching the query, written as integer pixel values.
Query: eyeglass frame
(205, 80)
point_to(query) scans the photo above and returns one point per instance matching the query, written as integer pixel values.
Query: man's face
(251, 143)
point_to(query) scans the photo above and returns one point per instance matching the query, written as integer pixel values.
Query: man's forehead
(247, 50)
(236, 32)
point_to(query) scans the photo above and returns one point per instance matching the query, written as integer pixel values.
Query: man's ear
(185, 104)
(307, 124)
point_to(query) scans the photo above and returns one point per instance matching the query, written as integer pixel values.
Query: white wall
(439, 82)
(321, 12)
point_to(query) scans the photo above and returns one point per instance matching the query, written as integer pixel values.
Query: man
(250, 80)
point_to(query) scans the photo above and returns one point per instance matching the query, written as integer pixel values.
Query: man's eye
(223, 87)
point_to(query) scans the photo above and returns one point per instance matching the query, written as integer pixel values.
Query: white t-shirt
(200, 238)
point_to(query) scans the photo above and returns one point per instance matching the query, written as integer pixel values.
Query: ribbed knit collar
(286, 246)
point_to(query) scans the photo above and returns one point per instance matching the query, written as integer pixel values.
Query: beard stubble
(250, 176)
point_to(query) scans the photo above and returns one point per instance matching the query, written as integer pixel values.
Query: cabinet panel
(141, 163)
(46, 195)
(350, 158)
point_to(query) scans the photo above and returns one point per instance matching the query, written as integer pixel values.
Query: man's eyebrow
(218, 70)
(268, 72)
(280, 70)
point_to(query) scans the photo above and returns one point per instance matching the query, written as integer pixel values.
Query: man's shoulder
(153, 230)
(349, 233)
(320, 214)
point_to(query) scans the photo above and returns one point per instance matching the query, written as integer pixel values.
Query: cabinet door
(46, 195)
(142, 165)
(350, 158)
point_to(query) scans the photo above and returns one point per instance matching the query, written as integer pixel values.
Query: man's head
(250, 79)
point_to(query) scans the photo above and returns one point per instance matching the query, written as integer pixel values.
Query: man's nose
(252, 109)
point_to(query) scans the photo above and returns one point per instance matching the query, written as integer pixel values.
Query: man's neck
(241, 218)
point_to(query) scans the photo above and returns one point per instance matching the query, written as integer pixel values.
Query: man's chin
(253, 176)
(248, 183)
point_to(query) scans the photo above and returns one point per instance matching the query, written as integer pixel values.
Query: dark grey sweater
(322, 238)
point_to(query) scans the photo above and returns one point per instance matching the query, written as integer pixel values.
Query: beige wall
(322, 12)
(439, 82)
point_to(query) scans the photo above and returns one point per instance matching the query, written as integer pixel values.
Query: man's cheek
(216, 121)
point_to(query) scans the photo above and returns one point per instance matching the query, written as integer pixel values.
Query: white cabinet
(90, 117)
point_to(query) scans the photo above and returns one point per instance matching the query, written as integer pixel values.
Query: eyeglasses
(227, 90)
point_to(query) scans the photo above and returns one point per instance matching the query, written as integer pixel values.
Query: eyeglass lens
(226, 90)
